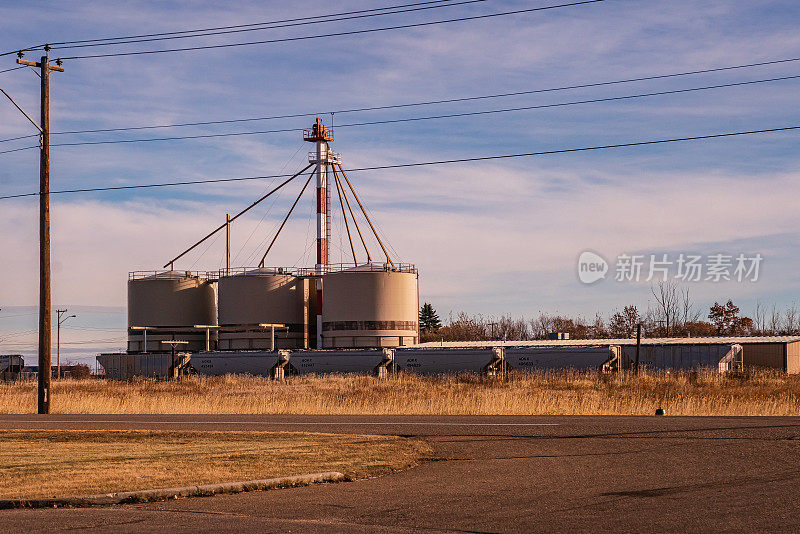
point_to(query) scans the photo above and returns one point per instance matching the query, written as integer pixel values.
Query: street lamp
(58, 338)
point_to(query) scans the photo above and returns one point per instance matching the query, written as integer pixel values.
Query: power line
(235, 26)
(93, 328)
(23, 344)
(18, 149)
(414, 104)
(429, 163)
(571, 103)
(19, 315)
(19, 137)
(151, 139)
(335, 34)
(267, 211)
(9, 70)
(268, 25)
(18, 333)
(428, 117)
(251, 25)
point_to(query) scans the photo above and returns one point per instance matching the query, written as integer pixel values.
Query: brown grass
(556, 393)
(39, 463)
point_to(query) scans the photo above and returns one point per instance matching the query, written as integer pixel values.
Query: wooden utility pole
(45, 328)
(638, 345)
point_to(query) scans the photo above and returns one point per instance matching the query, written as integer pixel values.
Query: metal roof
(742, 340)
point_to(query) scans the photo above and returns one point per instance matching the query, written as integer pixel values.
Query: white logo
(591, 267)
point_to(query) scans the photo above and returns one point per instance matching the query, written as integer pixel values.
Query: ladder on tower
(328, 214)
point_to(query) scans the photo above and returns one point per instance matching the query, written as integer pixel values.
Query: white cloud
(471, 227)
(484, 234)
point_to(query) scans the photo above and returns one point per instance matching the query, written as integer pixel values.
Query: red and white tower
(321, 135)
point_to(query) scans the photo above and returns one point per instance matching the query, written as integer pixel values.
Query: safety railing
(333, 157)
(311, 271)
(255, 271)
(363, 267)
(318, 134)
(293, 271)
(138, 275)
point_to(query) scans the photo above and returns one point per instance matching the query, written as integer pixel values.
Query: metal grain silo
(370, 306)
(261, 296)
(169, 304)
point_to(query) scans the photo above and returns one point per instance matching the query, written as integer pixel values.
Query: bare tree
(544, 325)
(541, 326)
(687, 311)
(465, 327)
(790, 320)
(509, 329)
(761, 318)
(672, 314)
(774, 321)
(652, 325)
(667, 304)
(598, 328)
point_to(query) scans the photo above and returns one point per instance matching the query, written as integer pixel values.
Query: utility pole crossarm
(37, 64)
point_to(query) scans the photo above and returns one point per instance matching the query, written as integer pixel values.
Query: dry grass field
(556, 393)
(39, 463)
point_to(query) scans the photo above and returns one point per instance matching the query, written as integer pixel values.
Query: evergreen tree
(429, 319)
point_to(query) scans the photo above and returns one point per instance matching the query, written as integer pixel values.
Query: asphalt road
(490, 474)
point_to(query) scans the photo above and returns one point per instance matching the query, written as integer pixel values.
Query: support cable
(385, 237)
(355, 221)
(264, 257)
(171, 264)
(355, 195)
(344, 214)
(257, 226)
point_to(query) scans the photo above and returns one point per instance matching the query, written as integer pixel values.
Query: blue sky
(493, 237)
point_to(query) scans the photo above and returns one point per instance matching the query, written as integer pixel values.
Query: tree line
(673, 314)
